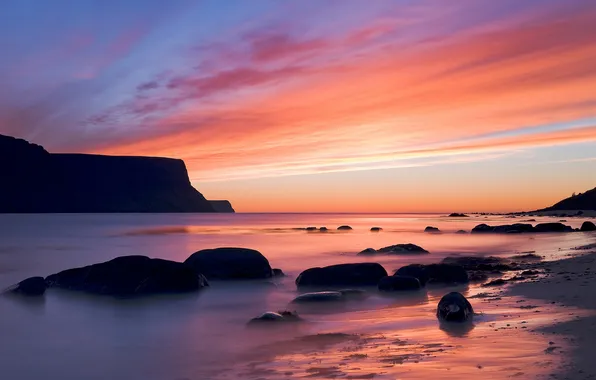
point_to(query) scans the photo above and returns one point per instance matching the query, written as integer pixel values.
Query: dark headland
(35, 181)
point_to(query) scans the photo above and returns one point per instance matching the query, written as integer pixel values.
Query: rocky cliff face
(585, 201)
(222, 206)
(35, 181)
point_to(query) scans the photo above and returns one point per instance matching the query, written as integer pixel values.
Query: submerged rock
(311, 228)
(344, 228)
(230, 264)
(357, 274)
(432, 230)
(454, 307)
(376, 229)
(402, 249)
(319, 297)
(398, 283)
(461, 232)
(323, 229)
(588, 227)
(130, 275)
(32, 286)
(435, 273)
(281, 316)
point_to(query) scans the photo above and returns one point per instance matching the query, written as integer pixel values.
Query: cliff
(585, 201)
(35, 181)
(222, 206)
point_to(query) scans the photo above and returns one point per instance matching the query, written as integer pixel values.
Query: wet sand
(570, 283)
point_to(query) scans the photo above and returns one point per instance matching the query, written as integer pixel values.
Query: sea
(204, 335)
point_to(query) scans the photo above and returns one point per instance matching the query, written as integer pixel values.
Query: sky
(317, 105)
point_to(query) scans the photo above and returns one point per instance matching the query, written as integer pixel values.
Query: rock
(311, 228)
(482, 228)
(588, 227)
(276, 272)
(476, 276)
(402, 249)
(529, 220)
(497, 282)
(552, 227)
(353, 293)
(344, 228)
(479, 263)
(130, 275)
(461, 232)
(376, 229)
(530, 273)
(357, 274)
(368, 251)
(398, 283)
(230, 264)
(562, 220)
(457, 215)
(222, 206)
(432, 230)
(513, 228)
(32, 286)
(323, 229)
(527, 257)
(319, 297)
(282, 316)
(435, 273)
(454, 307)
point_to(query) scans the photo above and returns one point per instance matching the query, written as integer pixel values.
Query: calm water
(204, 336)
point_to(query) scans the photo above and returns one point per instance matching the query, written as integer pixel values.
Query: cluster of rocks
(141, 275)
(528, 228)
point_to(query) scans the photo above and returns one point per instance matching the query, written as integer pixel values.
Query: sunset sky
(317, 105)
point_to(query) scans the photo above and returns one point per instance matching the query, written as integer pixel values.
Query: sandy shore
(570, 283)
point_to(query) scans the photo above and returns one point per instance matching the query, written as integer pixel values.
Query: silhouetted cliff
(585, 201)
(222, 206)
(35, 181)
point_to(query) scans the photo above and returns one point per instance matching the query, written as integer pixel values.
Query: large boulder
(588, 226)
(504, 229)
(230, 264)
(454, 307)
(398, 283)
(552, 227)
(344, 228)
(32, 286)
(482, 228)
(357, 274)
(130, 275)
(435, 273)
(480, 263)
(432, 230)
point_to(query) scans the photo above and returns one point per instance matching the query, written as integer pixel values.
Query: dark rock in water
(498, 282)
(357, 274)
(454, 307)
(376, 229)
(368, 251)
(33, 286)
(323, 229)
(461, 232)
(527, 257)
(562, 220)
(588, 227)
(435, 273)
(529, 220)
(457, 215)
(344, 228)
(311, 228)
(552, 227)
(513, 228)
(276, 272)
(479, 263)
(482, 228)
(402, 249)
(35, 181)
(282, 316)
(130, 275)
(398, 283)
(319, 297)
(530, 273)
(432, 230)
(230, 264)
(353, 293)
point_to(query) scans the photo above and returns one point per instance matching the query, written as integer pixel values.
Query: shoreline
(569, 283)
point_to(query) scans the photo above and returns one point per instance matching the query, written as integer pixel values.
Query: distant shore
(571, 283)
